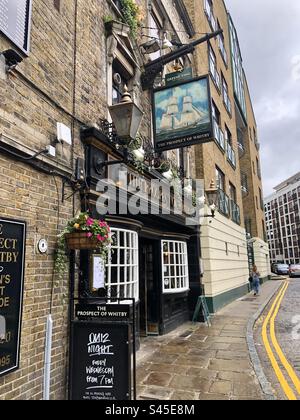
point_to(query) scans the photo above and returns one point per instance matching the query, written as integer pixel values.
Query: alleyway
(200, 363)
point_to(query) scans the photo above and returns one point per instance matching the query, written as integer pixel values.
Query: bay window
(122, 270)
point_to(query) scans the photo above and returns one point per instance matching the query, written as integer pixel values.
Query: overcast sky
(269, 35)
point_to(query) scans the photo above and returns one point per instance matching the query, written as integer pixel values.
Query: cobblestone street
(196, 362)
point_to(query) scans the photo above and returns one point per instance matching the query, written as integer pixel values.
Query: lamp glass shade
(212, 197)
(127, 118)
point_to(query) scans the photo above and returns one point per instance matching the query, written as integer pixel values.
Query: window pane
(175, 266)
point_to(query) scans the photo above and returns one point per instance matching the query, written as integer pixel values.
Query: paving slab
(196, 362)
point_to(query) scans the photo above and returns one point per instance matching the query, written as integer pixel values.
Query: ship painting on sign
(189, 117)
(182, 111)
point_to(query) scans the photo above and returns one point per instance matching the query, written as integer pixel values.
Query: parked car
(273, 266)
(294, 270)
(281, 269)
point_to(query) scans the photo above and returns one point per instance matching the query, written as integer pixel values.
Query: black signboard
(172, 79)
(109, 312)
(182, 114)
(15, 21)
(12, 255)
(100, 361)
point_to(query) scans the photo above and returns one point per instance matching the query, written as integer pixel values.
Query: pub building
(155, 257)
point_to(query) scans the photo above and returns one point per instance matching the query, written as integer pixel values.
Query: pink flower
(89, 235)
(90, 221)
(100, 238)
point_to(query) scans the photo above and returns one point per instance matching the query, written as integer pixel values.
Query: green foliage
(130, 11)
(94, 229)
(107, 18)
(136, 143)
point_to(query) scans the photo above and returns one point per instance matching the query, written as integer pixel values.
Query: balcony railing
(215, 75)
(223, 203)
(228, 207)
(227, 101)
(222, 49)
(219, 135)
(231, 155)
(235, 212)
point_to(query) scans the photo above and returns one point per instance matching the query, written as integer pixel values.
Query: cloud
(276, 109)
(296, 67)
(268, 32)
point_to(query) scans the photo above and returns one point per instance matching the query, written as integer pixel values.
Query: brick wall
(62, 80)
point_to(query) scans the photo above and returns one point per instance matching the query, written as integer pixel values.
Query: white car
(294, 270)
(281, 269)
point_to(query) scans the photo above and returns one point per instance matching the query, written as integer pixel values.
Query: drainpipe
(47, 365)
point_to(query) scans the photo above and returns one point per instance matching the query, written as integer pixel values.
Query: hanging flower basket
(80, 240)
(82, 232)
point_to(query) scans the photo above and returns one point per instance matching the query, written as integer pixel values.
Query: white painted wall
(223, 271)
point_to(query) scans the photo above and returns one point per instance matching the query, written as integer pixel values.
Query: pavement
(197, 362)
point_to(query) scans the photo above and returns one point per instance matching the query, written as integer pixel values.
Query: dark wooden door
(149, 291)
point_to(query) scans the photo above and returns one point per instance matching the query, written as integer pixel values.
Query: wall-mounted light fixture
(12, 59)
(127, 117)
(212, 198)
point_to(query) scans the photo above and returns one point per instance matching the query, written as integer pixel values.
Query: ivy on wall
(131, 15)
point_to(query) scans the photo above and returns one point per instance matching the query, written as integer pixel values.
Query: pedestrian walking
(255, 275)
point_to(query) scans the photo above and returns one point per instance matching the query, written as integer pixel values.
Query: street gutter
(264, 383)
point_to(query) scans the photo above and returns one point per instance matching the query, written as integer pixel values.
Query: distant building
(283, 221)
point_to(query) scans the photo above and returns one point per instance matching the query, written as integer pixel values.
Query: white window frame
(130, 263)
(213, 68)
(179, 267)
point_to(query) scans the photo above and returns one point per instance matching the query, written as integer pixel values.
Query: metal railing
(223, 203)
(231, 155)
(228, 207)
(219, 135)
(235, 212)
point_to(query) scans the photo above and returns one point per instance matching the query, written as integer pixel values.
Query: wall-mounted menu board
(100, 361)
(15, 21)
(12, 258)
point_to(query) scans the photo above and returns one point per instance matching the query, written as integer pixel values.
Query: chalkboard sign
(100, 361)
(15, 21)
(12, 251)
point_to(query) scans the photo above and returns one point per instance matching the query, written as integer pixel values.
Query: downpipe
(47, 359)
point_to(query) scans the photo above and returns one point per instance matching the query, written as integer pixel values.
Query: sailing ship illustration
(189, 117)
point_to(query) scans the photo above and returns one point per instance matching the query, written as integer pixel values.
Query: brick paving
(196, 362)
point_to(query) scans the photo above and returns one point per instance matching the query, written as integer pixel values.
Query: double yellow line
(270, 322)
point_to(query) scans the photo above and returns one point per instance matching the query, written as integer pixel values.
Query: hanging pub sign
(15, 21)
(12, 255)
(182, 114)
(100, 361)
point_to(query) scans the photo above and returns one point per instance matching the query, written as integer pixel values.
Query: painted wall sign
(100, 361)
(12, 256)
(15, 21)
(182, 114)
